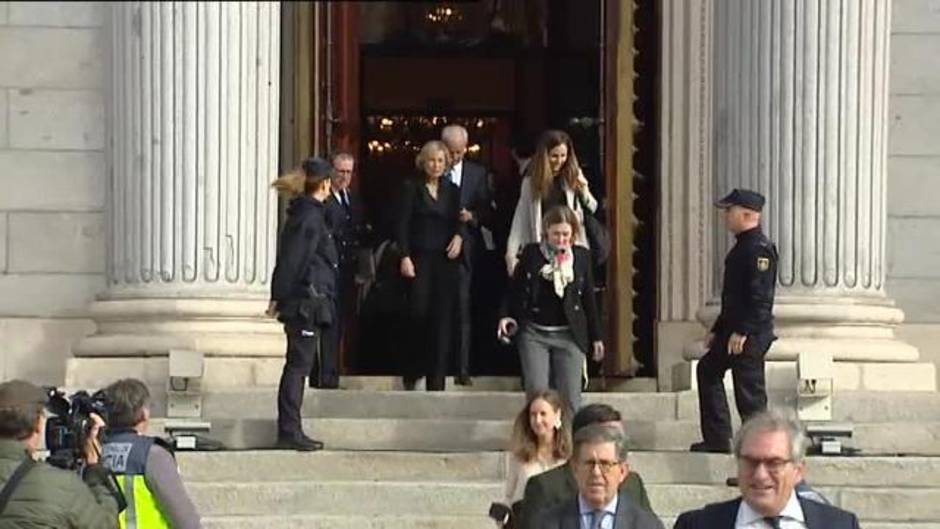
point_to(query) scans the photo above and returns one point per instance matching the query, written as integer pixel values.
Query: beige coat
(527, 221)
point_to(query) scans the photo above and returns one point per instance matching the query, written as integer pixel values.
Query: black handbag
(316, 309)
(598, 235)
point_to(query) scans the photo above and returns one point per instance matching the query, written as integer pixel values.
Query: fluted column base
(857, 332)
(242, 346)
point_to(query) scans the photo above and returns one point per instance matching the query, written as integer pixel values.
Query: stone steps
(424, 522)
(469, 435)
(399, 459)
(655, 467)
(854, 406)
(472, 498)
(351, 521)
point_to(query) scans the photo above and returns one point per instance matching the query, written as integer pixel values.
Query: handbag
(598, 235)
(316, 309)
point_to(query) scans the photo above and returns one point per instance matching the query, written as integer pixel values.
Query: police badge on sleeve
(763, 264)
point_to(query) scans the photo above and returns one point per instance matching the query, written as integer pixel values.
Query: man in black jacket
(770, 450)
(303, 288)
(346, 220)
(545, 491)
(476, 209)
(744, 330)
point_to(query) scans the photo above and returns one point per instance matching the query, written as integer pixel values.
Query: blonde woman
(303, 288)
(541, 441)
(430, 237)
(553, 178)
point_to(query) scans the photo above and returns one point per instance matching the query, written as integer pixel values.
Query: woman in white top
(541, 440)
(553, 178)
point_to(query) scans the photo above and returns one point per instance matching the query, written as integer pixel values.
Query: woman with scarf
(552, 306)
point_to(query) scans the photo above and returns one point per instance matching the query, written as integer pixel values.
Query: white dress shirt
(791, 516)
(456, 173)
(588, 516)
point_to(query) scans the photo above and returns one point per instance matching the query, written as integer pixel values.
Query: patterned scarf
(560, 267)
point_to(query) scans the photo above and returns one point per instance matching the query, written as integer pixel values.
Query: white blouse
(519, 473)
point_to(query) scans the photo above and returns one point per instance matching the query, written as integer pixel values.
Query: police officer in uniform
(303, 290)
(744, 330)
(145, 468)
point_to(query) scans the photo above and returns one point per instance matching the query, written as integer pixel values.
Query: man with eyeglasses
(345, 218)
(770, 450)
(599, 465)
(548, 489)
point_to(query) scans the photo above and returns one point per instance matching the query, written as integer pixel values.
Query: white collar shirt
(456, 173)
(588, 515)
(791, 517)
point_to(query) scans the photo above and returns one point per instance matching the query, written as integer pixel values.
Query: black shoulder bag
(14, 482)
(597, 235)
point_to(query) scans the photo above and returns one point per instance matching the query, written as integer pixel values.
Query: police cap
(744, 198)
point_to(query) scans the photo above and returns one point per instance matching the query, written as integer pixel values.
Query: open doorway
(394, 73)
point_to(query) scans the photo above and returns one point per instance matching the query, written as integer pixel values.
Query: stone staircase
(399, 459)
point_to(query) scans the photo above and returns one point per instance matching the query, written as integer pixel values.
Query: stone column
(800, 114)
(192, 221)
(685, 242)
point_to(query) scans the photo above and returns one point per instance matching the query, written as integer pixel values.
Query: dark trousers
(750, 393)
(432, 299)
(301, 355)
(325, 371)
(464, 319)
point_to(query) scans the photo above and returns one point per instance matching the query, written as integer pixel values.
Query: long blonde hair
(525, 445)
(305, 179)
(540, 171)
(290, 185)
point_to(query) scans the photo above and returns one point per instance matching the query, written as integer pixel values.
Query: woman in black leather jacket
(553, 308)
(302, 291)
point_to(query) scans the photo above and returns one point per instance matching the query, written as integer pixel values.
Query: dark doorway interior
(506, 70)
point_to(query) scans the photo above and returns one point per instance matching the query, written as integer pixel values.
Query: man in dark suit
(744, 330)
(770, 450)
(599, 463)
(476, 210)
(549, 489)
(346, 220)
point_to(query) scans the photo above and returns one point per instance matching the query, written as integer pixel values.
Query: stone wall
(913, 239)
(52, 176)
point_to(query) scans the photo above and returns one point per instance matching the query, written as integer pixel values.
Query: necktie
(346, 198)
(773, 521)
(597, 517)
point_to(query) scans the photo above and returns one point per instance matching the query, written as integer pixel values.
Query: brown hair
(304, 180)
(425, 153)
(19, 422)
(539, 170)
(128, 398)
(562, 215)
(524, 444)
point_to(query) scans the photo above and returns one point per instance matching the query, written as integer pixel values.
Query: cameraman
(145, 468)
(47, 497)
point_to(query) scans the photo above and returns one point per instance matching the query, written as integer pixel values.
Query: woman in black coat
(430, 238)
(553, 308)
(303, 289)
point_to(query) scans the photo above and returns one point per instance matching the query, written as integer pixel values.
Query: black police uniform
(307, 257)
(346, 221)
(747, 300)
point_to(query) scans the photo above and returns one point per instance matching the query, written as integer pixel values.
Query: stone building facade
(113, 249)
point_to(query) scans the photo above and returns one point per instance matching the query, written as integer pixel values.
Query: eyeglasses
(606, 467)
(773, 465)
